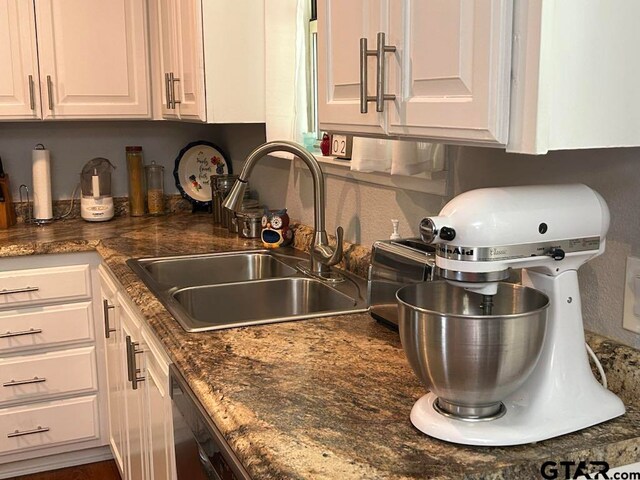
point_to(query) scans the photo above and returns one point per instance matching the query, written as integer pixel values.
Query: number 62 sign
(341, 146)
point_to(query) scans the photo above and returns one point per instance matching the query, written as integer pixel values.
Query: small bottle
(395, 235)
(155, 189)
(135, 169)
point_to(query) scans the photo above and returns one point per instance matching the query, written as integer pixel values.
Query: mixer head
(482, 233)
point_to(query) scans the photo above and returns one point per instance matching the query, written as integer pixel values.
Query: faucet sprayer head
(233, 200)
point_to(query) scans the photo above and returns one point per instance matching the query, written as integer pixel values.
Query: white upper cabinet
(530, 76)
(19, 93)
(93, 58)
(73, 59)
(209, 60)
(181, 59)
(452, 71)
(446, 62)
(343, 24)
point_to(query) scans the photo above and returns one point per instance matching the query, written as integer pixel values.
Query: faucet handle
(326, 255)
(337, 253)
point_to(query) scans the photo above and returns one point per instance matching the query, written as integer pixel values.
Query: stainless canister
(220, 187)
(230, 217)
(250, 223)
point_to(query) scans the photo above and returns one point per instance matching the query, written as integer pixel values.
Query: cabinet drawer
(43, 326)
(48, 424)
(37, 285)
(54, 373)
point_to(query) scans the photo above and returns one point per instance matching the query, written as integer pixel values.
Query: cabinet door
(340, 26)
(115, 379)
(167, 49)
(133, 400)
(19, 90)
(452, 70)
(93, 58)
(159, 421)
(189, 64)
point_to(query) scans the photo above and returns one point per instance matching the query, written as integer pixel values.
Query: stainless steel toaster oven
(395, 263)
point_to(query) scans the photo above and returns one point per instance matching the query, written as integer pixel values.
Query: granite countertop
(323, 398)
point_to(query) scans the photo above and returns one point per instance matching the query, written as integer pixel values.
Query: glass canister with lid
(155, 188)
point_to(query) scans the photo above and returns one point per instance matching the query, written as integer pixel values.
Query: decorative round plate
(193, 169)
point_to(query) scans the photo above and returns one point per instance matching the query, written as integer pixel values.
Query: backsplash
(172, 203)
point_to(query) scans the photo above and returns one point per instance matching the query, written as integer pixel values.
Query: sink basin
(233, 289)
(212, 269)
(252, 303)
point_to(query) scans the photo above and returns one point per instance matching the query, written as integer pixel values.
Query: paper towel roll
(41, 175)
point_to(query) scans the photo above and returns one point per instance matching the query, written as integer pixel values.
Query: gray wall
(72, 144)
(615, 173)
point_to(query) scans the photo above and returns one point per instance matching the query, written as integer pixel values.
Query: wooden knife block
(7, 212)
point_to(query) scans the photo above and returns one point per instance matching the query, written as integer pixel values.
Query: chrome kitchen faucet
(322, 255)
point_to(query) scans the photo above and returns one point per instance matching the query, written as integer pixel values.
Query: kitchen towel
(370, 155)
(41, 176)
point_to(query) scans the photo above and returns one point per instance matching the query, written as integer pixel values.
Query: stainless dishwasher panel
(395, 263)
(201, 451)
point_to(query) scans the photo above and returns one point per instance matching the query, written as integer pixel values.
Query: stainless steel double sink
(233, 289)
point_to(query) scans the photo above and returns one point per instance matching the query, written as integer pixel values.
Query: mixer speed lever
(447, 233)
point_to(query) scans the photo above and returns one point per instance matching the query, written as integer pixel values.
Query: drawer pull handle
(14, 383)
(50, 92)
(31, 331)
(105, 311)
(32, 96)
(9, 291)
(172, 81)
(364, 97)
(132, 368)
(18, 433)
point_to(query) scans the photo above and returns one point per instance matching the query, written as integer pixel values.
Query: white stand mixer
(549, 232)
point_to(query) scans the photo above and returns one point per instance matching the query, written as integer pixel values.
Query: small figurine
(275, 229)
(325, 145)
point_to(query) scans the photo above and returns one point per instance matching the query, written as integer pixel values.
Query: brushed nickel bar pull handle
(364, 77)
(173, 89)
(18, 433)
(32, 95)
(167, 94)
(135, 379)
(9, 291)
(130, 359)
(15, 383)
(381, 49)
(105, 311)
(50, 92)
(31, 331)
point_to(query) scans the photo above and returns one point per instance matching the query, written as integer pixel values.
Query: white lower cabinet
(140, 421)
(52, 371)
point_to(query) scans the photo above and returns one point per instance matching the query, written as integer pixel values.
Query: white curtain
(286, 76)
(397, 157)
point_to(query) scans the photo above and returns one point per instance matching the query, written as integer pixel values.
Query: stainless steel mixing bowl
(469, 360)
